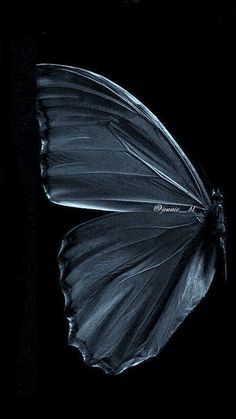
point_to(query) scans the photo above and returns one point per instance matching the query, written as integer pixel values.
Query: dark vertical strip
(23, 186)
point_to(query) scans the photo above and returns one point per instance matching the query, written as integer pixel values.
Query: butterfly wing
(129, 280)
(103, 149)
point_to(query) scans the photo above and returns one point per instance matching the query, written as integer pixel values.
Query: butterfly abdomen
(217, 209)
(218, 226)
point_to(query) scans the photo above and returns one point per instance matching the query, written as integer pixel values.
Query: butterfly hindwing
(130, 279)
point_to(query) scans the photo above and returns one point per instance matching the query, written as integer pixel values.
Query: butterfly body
(218, 210)
(219, 226)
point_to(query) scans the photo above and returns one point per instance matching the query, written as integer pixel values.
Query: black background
(179, 62)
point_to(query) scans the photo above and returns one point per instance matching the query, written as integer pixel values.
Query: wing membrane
(103, 149)
(130, 279)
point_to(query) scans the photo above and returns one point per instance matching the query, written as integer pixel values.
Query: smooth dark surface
(181, 64)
